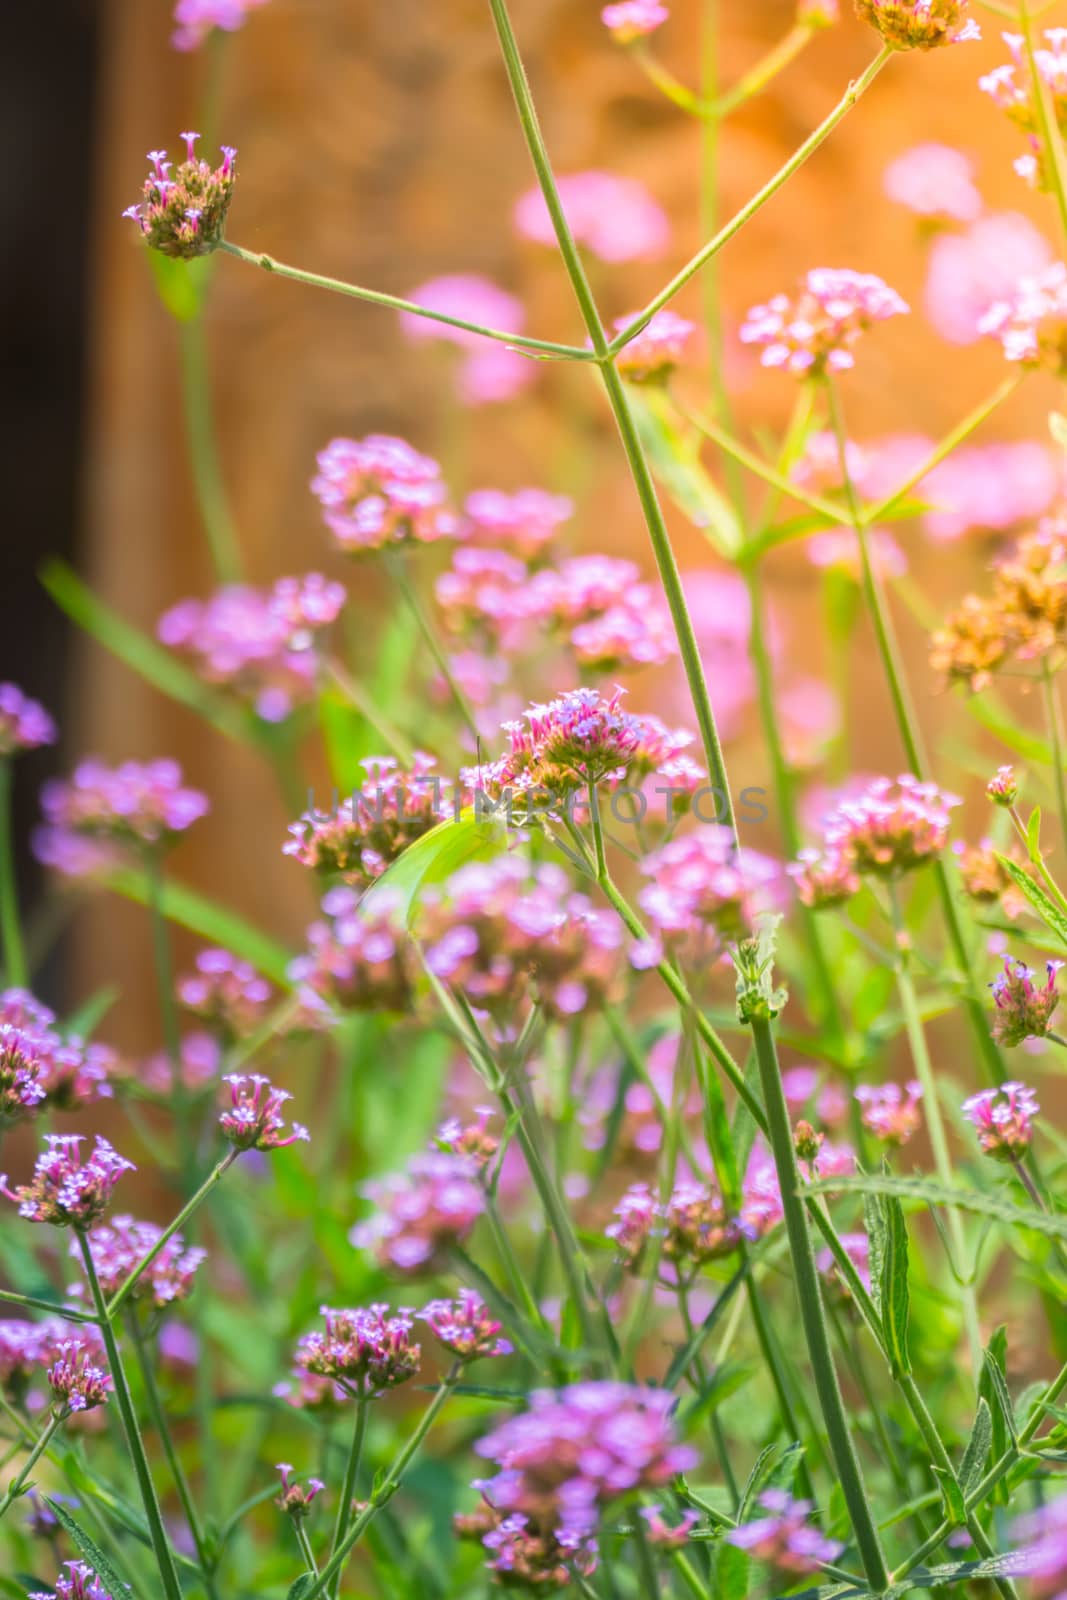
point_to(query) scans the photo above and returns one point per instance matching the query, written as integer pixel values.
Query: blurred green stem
(1054, 720)
(348, 1486)
(203, 453)
(15, 973)
(394, 565)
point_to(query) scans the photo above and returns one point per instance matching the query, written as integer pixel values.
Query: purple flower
(68, 1072)
(379, 491)
(142, 804)
(1004, 1119)
(361, 836)
(76, 1382)
(465, 1327)
(704, 892)
(194, 20)
(65, 1190)
(1024, 1010)
(890, 828)
(227, 993)
(582, 737)
(421, 1212)
(184, 214)
(81, 1583)
(528, 519)
(1012, 87)
(358, 955)
(27, 1348)
(24, 725)
(660, 346)
(816, 332)
(785, 1539)
(120, 1246)
(294, 1499)
(253, 1120)
(365, 1351)
(891, 1113)
(920, 24)
(21, 1063)
(1003, 787)
(615, 217)
(628, 20)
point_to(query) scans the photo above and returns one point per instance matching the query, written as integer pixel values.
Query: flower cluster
(1023, 619)
(497, 926)
(920, 24)
(26, 1349)
(80, 1583)
(194, 19)
(1004, 1119)
(628, 20)
(184, 215)
(887, 830)
(143, 804)
(575, 1452)
(76, 1381)
(651, 355)
(24, 725)
(786, 1538)
(119, 1248)
(253, 1120)
(1024, 1009)
(693, 1226)
(358, 838)
(358, 955)
(421, 1212)
(704, 889)
(379, 491)
(1031, 323)
(817, 331)
(581, 738)
(985, 880)
(615, 217)
(261, 646)
(465, 1327)
(294, 1499)
(1013, 89)
(364, 1351)
(226, 993)
(66, 1191)
(528, 520)
(891, 1113)
(38, 1062)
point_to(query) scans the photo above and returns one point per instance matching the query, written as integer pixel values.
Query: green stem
(68, 1313)
(121, 1295)
(304, 1544)
(390, 1484)
(203, 453)
(177, 1472)
(813, 1317)
(15, 1487)
(15, 970)
(767, 69)
(563, 352)
(134, 1443)
(1054, 721)
(396, 741)
(348, 1486)
(669, 86)
(758, 201)
(1055, 163)
(394, 565)
(769, 474)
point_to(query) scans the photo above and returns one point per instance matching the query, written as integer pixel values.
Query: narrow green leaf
(89, 1549)
(758, 1480)
(1047, 910)
(301, 1586)
(435, 857)
(994, 1387)
(731, 1572)
(894, 1283)
(928, 1192)
(1033, 835)
(952, 1495)
(977, 1452)
(874, 1218)
(211, 921)
(674, 457)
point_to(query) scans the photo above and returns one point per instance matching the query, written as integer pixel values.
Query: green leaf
(88, 1548)
(929, 1192)
(976, 1454)
(181, 285)
(210, 921)
(758, 1480)
(874, 1218)
(895, 1302)
(434, 858)
(1033, 835)
(348, 738)
(1005, 726)
(993, 1387)
(952, 1495)
(1047, 910)
(731, 1572)
(674, 457)
(301, 1586)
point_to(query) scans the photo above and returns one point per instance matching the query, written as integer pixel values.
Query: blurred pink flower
(491, 371)
(633, 19)
(615, 217)
(970, 271)
(194, 19)
(934, 180)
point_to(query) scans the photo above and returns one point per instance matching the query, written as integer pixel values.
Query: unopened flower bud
(1003, 787)
(183, 211)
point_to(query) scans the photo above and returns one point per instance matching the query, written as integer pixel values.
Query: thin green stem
(203, 453)
(16, 1487)
(68, 1313)
(1055, 173)
(397, 570)
(770, 475)
(812, 1312)
(193, 1204)
(15, 970)
(544, 347)
(134, 1443)
(386, 1489)
(670, 87)
(397, 742)
(1054, 722)
(304, 1544)
(758, 201)
(348, 1486)
(767, 69)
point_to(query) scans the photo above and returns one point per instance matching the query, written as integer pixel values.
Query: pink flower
(1003, 787)
(969, 272)
(294, 1499)
(226, 993)
(654, 353)
(1043, 1556)
(365, 1351)
(528, 519)
(818, 13)
(253, 1120)
(581, 738)
(891, 1113)
(1024, 1010)
(664, 1535)
(858, 1249)
(837, 550)
(357, 955)
(185, 215)
(1031, 323)
(491, 371)
(989, 486)
(628, 20)
(702, 888)
(194, 19)
(139, 803)
(81, 1583)
(118, 1248)
(24, 725)
(920, 24)
(816, 332)
(465, 1327)
(65, 1190)
(421, 1212)
(934, 180)
(378, 491)
(891, 828)
(785, 1539)
(76, 1382)
(361, 835)
(1012, 88)
(616, 217)
(1004, 1119)
(823, 878)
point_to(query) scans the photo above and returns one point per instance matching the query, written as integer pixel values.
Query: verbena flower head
(253, 1120)
(615, 217)
(80, 1583)
(692, 1224)
(465, 1327)
(365, 1351)
(823, 878)
(577, 1451)
(295, 1500)
(200, 1057)
(527, 520)
(142, 804)
(785, 1538)
(920, 24)
(1012, 87)
(664, 1535)
(1003, 787)
(1042, 1558)
(66, 1191)
(379, 491)
(1024, 1009)
(226, 993)
(76, 1381)
(194, 19)
(628, 20)
(890, 1112)
(491, 371)
(359, 956)
(182, 211)
(702, 887)
(935, 181)
(497, 927)
(1031, 324)
(262, 646)
(1023, 620)
(891, 828)
(360, 836)
(120, 1246)
(420, 1213)
(970, 270)
(660, 347)
(21, 1067)
(583, 737)
(24, 725)
(26, 1349)
(1004, 1119)
(70, 1072)
(474, 1140)
(523, 1555)
(816, 331)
